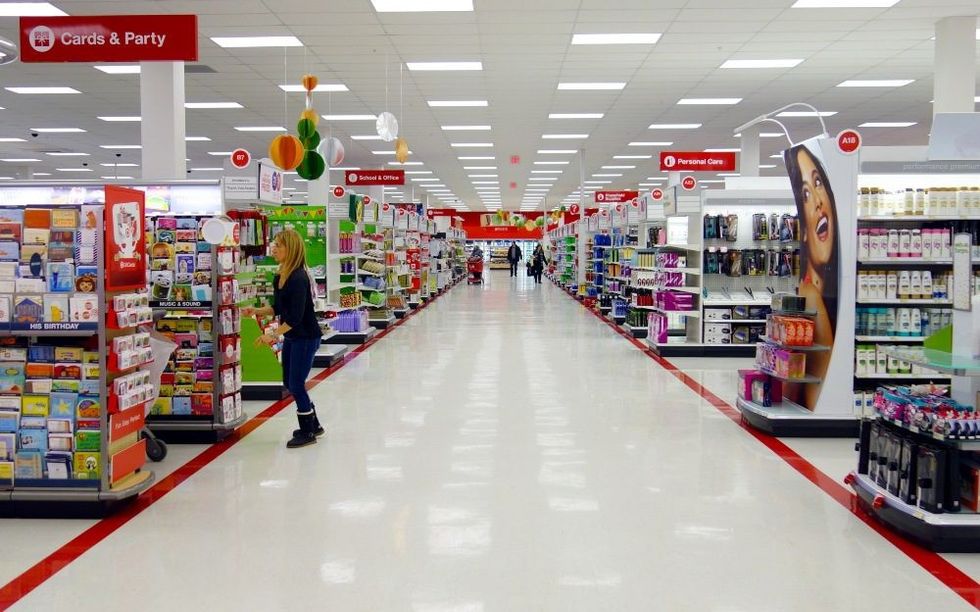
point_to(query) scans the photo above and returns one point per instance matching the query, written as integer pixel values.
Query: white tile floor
(501, 451)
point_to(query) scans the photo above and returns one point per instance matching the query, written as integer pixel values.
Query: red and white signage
(849, 141)
(620, 208)
(367, 200)
(573, 209)
(515, 159)
(657, 194)
(125, 223)
(375, 177)
(696, 161)
(109, 38)
(689, 183)
(338, 191)
(386, 207)
(614, 197)
(240, 158)
(635, 202)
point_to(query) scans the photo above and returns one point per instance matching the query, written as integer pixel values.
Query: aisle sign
(614, 197)
(849, 141)
(689, 183)
(696, 161)
(657, 194)
(605, 219)
(125, 245)
(636, 211)
(573, 209)
(109, 38)
(339, 191)
(240, 158)
(375, 177)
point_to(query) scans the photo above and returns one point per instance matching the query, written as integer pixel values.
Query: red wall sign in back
(240, 158)
(614, 197)
(849, 141)
(696, 161)
(573, 209)
(657, 194)
(109, 38)
(375, 177)
(689, 183)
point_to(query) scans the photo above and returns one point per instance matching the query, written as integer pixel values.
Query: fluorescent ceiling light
(113, 147)
(486, 182)
(591, 86)
(764, 135)
(547, 171)
(74, 170)
(260, 128)
(724, 150)
(762, 63)
(411, 163)
(618, 167)
(115, 178)
(471, 145)
(197, 139)
(598, 182)
(255, 42)
(708, 101)
(548, 179)
(476, 157)
(322, 87)
(876, 83)
(212, 105)
(420, 179)
(639, 38)
(120, 165)
(422, 6)
(483, 176)
(466, 128)
(887, 124)
(121, 118)
(576, 116)
(632, 156)
(223, 153)
(207, 169)
(479, 167)
(807, 114)
(350, 117)
(67, 154)
(30, 9)
(444, 66)
(19, 159)
(42, 90)
(674, 126)
(563, 136)
(119, 68)
(766, 166)
(557, 151)
(844, 3)
(386, 152)
(11, 140)
(711, 181)
(607, 175)
(411, 172)
(457, 103)
(551, 163)
(64, 130)
(651, 144)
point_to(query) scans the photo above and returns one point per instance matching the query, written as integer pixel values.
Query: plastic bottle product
(937, 244)
(962, 199)
(864, 244)
(916, 317)
(915, 284)
(873, 202)
(905, 243)
(904, 285)
(904, 317)
(916, 249)
(891, 286)
(927, 290)
(919, 202)
(863, 194)
(947, 244)
(890, 322)
(893, 244)
(909, 201)
(926, 243)
(925, 322)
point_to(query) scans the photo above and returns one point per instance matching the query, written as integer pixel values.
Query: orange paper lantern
(309, 82)
(286, 151)
(401, 150)
(311, 115)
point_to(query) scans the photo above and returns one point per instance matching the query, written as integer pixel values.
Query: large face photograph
(820, 257)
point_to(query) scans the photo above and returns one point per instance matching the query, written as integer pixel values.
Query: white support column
(955, 65)
(748, 164)
(162, 127)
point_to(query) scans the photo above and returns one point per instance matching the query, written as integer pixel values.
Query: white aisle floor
(501, 451)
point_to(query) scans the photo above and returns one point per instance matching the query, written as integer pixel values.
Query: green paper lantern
(312, 167)
(305, 128)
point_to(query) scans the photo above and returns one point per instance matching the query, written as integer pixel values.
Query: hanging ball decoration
(310, 82)
(333, 151)
(401, 150)
(286, 151)
(312, 167)
(387, 126)
(539, 221)
(310, 115)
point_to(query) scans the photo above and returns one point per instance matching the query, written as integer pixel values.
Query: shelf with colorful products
(908, 215)
(373, 276)
(200, 385)
(75, 382)
(567, 253)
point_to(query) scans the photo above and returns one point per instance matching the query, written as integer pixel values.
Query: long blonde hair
(295, 258)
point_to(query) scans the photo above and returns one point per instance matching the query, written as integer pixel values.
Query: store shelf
(382, 323)
(909, 302)
(795, 313)
(681, 247)
(329, 354)
(901, 377)
(813, 348)
(964, 445)
(949, 533)
(709, 303)
(889, 338)
(693, 290)
(940, 361)
(805, 380)
(922, 218)
(897, 261)
(353, 338)
(789, 419)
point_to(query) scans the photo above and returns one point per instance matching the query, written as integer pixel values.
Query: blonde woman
(293, 305)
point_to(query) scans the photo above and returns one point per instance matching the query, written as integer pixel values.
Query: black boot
(303, 436)
(317, 428)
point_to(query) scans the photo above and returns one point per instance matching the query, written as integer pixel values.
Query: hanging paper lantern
(332, 151)
(310, 82)
(401, 150)
(310, 115)
(286, 151)
(387, 126)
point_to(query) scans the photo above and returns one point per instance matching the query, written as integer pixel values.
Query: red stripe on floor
(944, 571)
(19, 587)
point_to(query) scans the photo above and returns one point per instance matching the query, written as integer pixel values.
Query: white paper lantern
(387, 126)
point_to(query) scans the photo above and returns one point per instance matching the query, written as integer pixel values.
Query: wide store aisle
(501, 451)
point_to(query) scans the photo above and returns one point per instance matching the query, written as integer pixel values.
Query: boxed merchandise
(716, 314)
(792, 331)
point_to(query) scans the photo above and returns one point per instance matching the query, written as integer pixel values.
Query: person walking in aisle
(537, 264)
(514, 256)
(293, 305)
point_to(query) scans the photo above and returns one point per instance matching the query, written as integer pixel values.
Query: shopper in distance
(293, 306)
(537, 263)
(514, 256)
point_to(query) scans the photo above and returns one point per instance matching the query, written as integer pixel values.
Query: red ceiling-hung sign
(696, 161)
(614, 197)
(375, 177)
(109, 38)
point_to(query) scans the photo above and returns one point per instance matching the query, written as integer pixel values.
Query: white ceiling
(525, 47)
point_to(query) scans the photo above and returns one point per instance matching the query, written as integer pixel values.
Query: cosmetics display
(949, 201)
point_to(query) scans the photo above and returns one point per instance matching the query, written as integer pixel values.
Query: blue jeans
(297, 361)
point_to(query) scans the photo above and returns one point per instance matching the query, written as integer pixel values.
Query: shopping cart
(474, 269)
